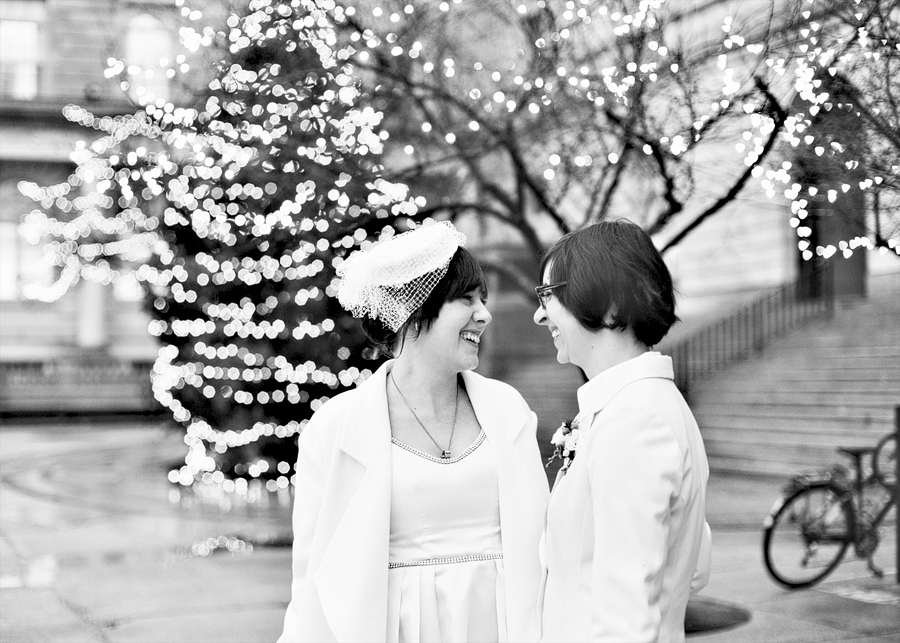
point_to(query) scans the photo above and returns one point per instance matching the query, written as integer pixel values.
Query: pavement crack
(97, 626)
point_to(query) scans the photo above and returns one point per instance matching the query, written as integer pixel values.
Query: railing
(750, 329)
(74, 387)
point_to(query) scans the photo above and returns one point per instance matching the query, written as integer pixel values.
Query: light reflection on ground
(40, 572)
(94, 545)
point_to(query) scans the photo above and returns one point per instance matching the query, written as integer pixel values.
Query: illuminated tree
(536, 116)
(842, 131)
(549, 115)
(238, 213)
(557, 114)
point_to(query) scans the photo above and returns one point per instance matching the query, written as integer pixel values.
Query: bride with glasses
(420, 494)
(626, 541)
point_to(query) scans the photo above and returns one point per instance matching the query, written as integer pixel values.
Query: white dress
(445, 576)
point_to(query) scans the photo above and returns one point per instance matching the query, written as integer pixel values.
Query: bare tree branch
(778, 115)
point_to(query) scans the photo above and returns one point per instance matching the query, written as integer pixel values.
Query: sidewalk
(849, 605)
(94, 546)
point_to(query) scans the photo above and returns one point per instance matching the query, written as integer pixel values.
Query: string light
(841, 132)
(236, 217)
(238, 210)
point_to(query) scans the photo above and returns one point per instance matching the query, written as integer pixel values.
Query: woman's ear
(610, 315)
(408, 332)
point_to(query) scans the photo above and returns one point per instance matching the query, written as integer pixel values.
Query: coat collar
(352, 572)
(491, 412)
(596, 394)
(369, 409)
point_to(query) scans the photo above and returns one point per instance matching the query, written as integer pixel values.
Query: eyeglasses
(543, 292)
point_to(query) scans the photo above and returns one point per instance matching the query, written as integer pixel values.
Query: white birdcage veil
(391, 280)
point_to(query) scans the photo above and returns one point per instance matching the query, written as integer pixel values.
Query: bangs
(559, 257)
(464, 274)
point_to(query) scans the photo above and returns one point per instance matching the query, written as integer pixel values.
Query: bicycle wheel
(806, 534)
(884, 461)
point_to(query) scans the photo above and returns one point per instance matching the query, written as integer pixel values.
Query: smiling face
(453, 339)
(570, 338)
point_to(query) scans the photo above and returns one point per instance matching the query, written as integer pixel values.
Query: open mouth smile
(471, 337)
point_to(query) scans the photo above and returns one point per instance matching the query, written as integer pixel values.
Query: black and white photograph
(449, 321)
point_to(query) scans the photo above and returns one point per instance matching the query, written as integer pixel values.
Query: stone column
(92, 329)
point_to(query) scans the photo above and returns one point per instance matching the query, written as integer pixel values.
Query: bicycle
(821, 514)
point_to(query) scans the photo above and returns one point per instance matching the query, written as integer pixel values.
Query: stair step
(548, 387)
(737, 398)
(872, 355)
(882, 383)
(796, 366)
(866, 344)
(743, 465)
(834, 382)
(831, 437)
(791, 414)
(799, 456)
(741, 423)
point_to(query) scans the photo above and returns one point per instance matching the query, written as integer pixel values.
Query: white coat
(342, 512)
(627, 540)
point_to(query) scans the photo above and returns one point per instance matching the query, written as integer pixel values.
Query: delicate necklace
(445, 453)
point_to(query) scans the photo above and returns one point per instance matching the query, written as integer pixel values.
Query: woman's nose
(540, 316)
(482, 314)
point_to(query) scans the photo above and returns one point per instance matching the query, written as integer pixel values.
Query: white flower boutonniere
(565, 440)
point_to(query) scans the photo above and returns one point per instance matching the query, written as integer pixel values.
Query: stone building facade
(87, 351)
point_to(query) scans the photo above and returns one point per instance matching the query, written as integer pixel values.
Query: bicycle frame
(852, 486)
(857, 489)
(852, 494)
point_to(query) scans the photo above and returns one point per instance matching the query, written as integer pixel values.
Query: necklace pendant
(445, 454)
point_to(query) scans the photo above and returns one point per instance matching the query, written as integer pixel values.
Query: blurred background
(180, 181)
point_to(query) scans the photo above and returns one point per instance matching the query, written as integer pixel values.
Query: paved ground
(95, 545)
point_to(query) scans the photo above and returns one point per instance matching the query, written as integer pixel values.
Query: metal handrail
(749, 329)
(71, 385)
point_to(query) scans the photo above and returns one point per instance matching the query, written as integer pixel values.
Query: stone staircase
(522, 355)
(831, 383)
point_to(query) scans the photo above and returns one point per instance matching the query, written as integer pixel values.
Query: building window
(21, 48)
(25, 268)
(9, 261)
(149, 48)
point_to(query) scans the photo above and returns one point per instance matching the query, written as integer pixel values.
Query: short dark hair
(616, 278)
(464, 274)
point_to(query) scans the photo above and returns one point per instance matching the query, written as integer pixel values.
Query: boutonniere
(565, 441)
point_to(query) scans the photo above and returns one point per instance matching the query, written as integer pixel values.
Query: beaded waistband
(450, 560)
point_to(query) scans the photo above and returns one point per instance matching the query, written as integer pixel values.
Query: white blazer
(342, 512)
(627, 540)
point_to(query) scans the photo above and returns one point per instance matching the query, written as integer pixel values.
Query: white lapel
(503, 422)
(523, 496)
(352, 576)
